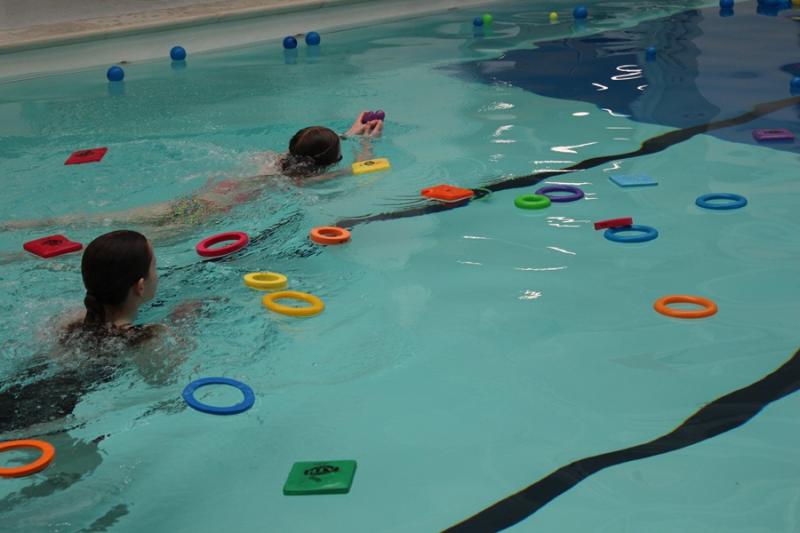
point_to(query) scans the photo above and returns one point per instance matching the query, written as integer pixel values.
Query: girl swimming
(313, 151)
(119, 274)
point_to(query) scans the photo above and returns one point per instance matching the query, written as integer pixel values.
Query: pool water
(464, 354)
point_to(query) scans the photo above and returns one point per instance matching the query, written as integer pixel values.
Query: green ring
(532, 201)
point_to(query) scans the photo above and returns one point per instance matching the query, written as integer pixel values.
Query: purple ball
(369, 115)
(380, 115)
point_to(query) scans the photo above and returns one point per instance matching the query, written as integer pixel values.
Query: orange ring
(329, 235)
(48, 453)
(708, 307)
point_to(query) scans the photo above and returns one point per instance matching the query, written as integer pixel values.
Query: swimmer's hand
(373, 128)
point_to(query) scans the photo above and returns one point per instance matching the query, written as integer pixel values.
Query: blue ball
(650, 53)
(795, 83)
(178, 53)
(313, 38)
(477, 21)
(115, 73)
(289, 43)
(580, 12)
(726, 4)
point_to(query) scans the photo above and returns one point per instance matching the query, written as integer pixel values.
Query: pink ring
(204, 247)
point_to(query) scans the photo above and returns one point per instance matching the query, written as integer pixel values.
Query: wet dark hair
(111, 265)
(310, 151)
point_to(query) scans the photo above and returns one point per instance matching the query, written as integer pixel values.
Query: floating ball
(477, 21)
(115, 73)
(580, 12)
(313, 38)
(650, 53)
(487, 19)
(553, 16)
(178, 53)
(289, 43)
(726, 4)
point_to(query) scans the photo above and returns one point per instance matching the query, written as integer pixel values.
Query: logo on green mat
(320, 470)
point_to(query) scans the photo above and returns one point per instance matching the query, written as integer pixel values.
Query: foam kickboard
(633, 181)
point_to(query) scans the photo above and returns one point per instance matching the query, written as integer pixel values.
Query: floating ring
(532, 201)
(244, 405)
(315, 306)
(647, 233)
(736, 201)
(574, 193)
(708, 307)
(265, 281)
(240, 241)
(329, 235)
(48, 453)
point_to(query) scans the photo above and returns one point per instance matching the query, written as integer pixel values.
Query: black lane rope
(650, 146)
(723, 414)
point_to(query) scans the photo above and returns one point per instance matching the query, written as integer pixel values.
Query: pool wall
(79, 44)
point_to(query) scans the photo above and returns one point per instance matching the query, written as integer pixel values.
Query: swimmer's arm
(174, 342)
(159, 359)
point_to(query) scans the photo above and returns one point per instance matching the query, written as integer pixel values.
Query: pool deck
(67, 26)
(61, 32)
(41, 37)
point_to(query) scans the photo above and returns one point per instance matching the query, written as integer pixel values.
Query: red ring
(204, 247)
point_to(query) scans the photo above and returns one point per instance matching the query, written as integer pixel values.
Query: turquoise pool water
(463, 355)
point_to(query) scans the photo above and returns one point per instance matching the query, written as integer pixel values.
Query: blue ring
(737, 201)
(647, 233)
(244, 405)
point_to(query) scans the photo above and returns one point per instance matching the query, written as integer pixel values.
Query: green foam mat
(320, 477)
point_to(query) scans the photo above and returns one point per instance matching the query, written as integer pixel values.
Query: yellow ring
(265, 281)
(314, 308)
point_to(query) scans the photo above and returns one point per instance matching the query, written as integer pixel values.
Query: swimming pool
(464, 354)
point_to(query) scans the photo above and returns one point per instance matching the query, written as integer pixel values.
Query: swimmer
(313, 150)
(119, 273)
(312, 154)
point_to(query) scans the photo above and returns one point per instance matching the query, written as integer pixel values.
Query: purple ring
(576, 193)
